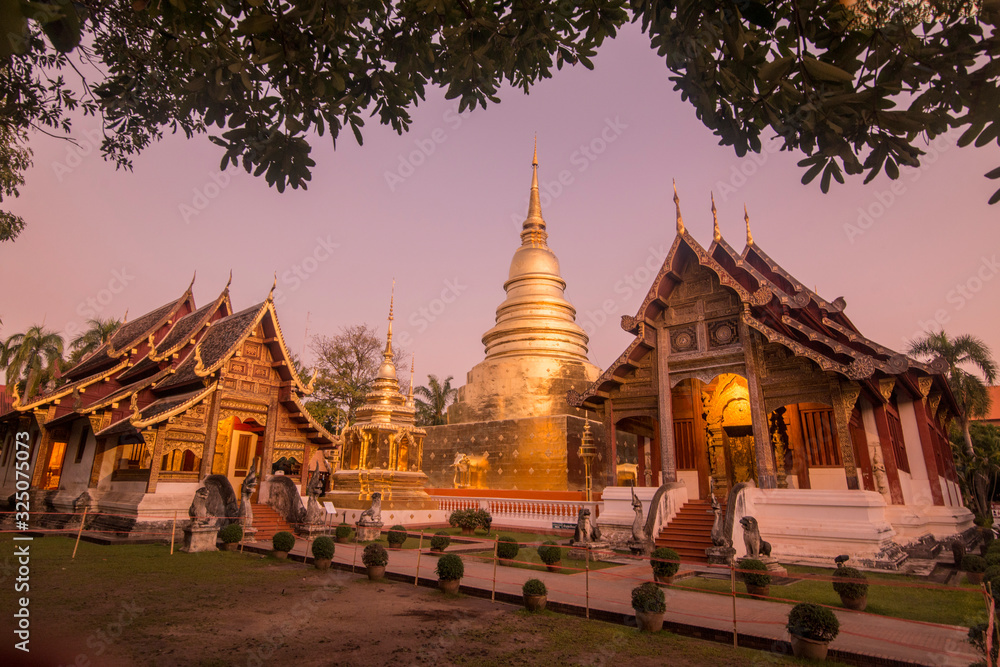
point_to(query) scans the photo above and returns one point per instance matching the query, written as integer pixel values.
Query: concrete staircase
(690, 532)
(268, 522)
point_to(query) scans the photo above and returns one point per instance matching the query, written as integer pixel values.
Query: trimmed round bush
(992, 559)
(648, 597)
(756, 573)
(813, 622)
(534, 587)
(375, 555)
(483, 519)
(343, 531)
(396, 536)
(973, 563)
(666, 562)
(549, 553)
(450, 568)
(231, 534)
(323, 547)
(283, 541)
(850, 583)
(994, 548)
(465, 519)
(507, 547)
(440, 541)
(991, 573)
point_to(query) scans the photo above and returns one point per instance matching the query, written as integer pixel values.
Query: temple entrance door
(742, 462)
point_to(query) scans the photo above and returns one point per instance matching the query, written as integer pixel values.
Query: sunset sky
(440, 210)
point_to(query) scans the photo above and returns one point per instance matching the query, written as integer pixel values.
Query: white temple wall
(690, 479)
(828, 479)
(920, 486)
(76, 476)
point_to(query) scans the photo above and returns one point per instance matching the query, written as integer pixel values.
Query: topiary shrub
(343, 531)
(992, 572)
(549, 553)
(323, 547)
(450, 568)
(994, 547)
(440, 541)
(507, 547)
(375, 555)
(649, 598)
(534, 587)
(754, 572)
(850, 583)
(992, 559)
(283, 541)
(813, 622)
(396, 536)
(231, 534)
(665, 562)
(464, 519)
(973, 563)
(483, 519)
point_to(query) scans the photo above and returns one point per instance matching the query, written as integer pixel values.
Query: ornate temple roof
(776, 304)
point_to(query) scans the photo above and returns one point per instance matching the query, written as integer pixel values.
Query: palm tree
(98, 333)
(970, 392)
(438, 395)
(31, 358)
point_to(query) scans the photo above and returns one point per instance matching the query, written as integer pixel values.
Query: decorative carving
(861, 368)
(574, 398)
(897, 364)
(246, 490)
(885, 388)
(586, 530)
(470, 471)
(932, 402)
(800, 299)
(683, 340)
(638, 524)
(719, 537)
(723, 333)
(762, 296)
(630, 323)
(199, 508)
(925, 384)
(373, 515)
(939, 365)
(849, 393)
(756, 547)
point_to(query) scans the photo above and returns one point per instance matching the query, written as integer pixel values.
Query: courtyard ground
(138, 605)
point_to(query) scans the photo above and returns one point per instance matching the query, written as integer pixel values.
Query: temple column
(888, 456)
(921, 482)
(211, 436)
(44, 453)
(763, 452)
(156, 460)
(270, 429)
(654, 455)
(927, 447)
(844, 396)
(609, 429)
(665, 408)
(640, 459)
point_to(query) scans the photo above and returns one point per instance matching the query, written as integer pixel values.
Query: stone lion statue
(586, 530)
(756, 547)
(373, 515)
(199, 508)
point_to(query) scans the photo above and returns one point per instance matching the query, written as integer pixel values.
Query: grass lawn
(529, 560)
(481, 537)
(962, 605)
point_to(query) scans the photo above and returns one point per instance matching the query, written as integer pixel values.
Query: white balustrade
(521, 512)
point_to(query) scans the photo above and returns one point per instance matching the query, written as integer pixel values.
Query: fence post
(80, 532)
(354, 560)
(173, 532)
(496, 544)
(732, 588)
(587, 547)
(420, 548)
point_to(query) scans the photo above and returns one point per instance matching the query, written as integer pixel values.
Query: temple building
(176, 397)
(383, 449)
(745, 376)
(510, 426)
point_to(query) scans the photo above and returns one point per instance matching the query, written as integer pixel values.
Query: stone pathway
(610, 590)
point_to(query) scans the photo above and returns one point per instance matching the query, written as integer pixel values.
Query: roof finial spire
(192, 280)
(270, 295)
(411, 378)
(677, 204)
(746, 216)
(533, 230)
(716, 234)
(230, 281)
(125, 318)
(388, 338)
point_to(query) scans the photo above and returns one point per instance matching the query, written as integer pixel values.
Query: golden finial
(388, 337)
(125, 318)
(533, 230)
(716, 234)
(392, 298)
(312, 381)
(134, 404)
(746, 216)
(534, 159)
(230, 281)
(17, 396)
(677, 204)
(270, 295)
(411, 377)
(199, 365)
(192, 280)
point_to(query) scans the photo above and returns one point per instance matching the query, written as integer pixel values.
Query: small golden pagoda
(383, 449)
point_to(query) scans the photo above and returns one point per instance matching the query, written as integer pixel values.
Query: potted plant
(343, 533)
(464, 519)
(665, 563)
(550, 554)
(755, 576)
(650, 605)
(851, 585)
(535, 594)
(440, 541)
(974, 567)
(450, 570)
(282, 542)
(812, 628)
(396, 537)
(483, 519)
(322, 549)
(375, 558)
(507, 549)
(230, 536)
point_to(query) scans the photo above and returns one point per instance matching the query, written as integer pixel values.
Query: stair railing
(664, 506)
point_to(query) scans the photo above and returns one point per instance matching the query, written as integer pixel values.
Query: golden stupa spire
(716, 234)
(533, 230)
(677, 204)
(746, 216)
(388, 368)
(411, 380)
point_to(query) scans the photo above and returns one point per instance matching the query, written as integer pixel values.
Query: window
(243, 454)
(81, 444)
(896, 439)
(53, 471)
(820, 440)
(684, 448)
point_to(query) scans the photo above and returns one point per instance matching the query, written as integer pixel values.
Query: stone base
(313, 530)
(640, 547)
(369, 533)
(720, 555)
(199, 538)
(925, 548)
(250, 534)
(774, 567)
(580, 553)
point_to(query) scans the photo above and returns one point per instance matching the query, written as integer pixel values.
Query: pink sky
(440, 208)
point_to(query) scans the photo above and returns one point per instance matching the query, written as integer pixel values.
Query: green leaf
(826, 71)
(776, 69)
(995, 173)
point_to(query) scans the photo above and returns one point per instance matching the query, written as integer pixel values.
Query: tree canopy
(856, 85)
